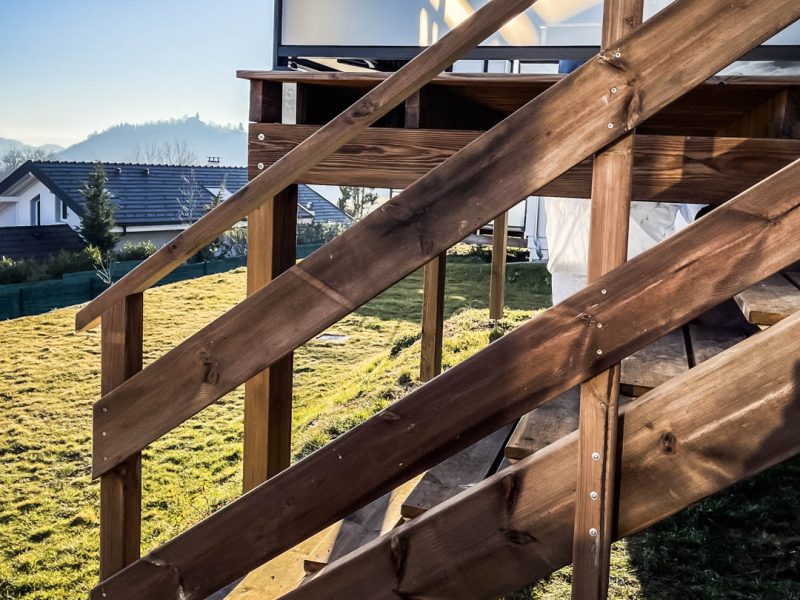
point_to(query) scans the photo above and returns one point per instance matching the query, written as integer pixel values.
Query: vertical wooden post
(608, 248)
(433, 282)
(271, 249)
(497, 281)
(121, 488)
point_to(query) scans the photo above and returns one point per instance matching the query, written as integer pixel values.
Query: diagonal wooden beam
(731, 417)
(650, 68)
(708, 262)
(612, 183)
(368, 109)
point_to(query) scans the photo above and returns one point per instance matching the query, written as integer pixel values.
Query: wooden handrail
(363, 113)
(524, 527)
(650, 68)
(728, 250)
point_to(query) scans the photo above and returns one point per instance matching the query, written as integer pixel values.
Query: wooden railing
(608, 97)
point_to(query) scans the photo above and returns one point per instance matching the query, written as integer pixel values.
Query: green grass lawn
(743, 544)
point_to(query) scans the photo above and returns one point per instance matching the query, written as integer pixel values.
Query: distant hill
(7, 144)
(188, 140)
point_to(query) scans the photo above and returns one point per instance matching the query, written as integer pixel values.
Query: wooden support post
(121, 488)
(497, 281)
(608, 248)
(271, 248)
(433, 282)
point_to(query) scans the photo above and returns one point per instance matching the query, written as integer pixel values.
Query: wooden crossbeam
(522, 154)
(363, 113)
(666, 168)
(708, 262)
(733, 416)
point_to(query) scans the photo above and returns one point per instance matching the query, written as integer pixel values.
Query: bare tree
(15, 158)
(164, 153)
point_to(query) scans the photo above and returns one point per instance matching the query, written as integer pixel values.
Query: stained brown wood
(654, 365)
(545, 425)
(524, 153)
(776, 117)
(497, 279)
(718, 103)
(121, 488)
(735, 415)
(666, 168)
(703, 265)
(364, 112)
(266, 101)
(456, 474)
(271, 249)
(596, 494)
(769, 301)
(433, 286)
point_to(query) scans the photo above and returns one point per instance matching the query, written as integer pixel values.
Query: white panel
(422, 22)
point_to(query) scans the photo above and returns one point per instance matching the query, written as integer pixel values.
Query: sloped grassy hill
(743, 544)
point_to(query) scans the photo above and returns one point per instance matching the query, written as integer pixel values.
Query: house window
(64, 210)
(36, 211)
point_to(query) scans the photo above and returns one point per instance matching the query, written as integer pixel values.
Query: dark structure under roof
(38, 242)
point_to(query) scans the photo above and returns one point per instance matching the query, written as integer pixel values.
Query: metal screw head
(104, 434)
(611, 126)
(260, 166)
(261, 137)
(614, 90)
(595, 456)
(593, 495)
(599, 325)
(599, 351)
(105, 409)
(618, 55)
(604, 291)
(593, 532)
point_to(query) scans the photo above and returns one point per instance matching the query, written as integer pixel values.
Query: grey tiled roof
(156, 194)
(38, 242)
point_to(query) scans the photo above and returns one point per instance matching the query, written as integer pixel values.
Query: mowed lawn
(743, 544)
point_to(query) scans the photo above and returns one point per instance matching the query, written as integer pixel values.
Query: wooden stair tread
(656, 364)
(363, 526)
(544, 425)
(709, 341)
(771, 300)
(455, 474)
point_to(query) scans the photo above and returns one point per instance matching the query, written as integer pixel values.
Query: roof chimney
(214, 160)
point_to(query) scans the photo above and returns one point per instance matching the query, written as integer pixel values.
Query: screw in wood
(260, 166)
(611, 126)
(593, 495)
(593, 532)
(599, 351)
(614, 90)
(604, 291)
(261, 137)
(595, 456)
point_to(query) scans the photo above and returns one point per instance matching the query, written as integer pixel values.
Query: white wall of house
(23, 212)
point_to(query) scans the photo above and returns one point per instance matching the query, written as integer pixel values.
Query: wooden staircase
(505, 531)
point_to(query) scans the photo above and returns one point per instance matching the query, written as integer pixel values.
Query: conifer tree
(97, 221)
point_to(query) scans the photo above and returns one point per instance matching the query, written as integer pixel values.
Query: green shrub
(135, 251)
(318, 233)
(53, 267)
(16, 271)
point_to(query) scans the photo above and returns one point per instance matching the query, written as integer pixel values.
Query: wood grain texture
(525, 152)
(456, 474)
(433, 286)
(364, 112)
(708, 262)
(707, 342)
(545, 425)
(121, 488)
(733, 416)
(666, 168)
(654, 365)
(596, 494)
(497, 277)
(769, 301)
(271, 249)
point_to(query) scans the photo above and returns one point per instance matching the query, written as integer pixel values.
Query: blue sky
(71, 67)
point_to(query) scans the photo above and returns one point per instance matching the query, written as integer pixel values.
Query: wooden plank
(528, 150)
(366, 524)
(497, 279)
(433, 286)
(456, 474)
(488, 240)
(704, 264)
(545, 425)
(596, 493)
(654, 365)
(266, 101)
(121, 488)
(707, 342)
(735, 415)
(793, 276)
(666, 168)
(769, 301)
(271, 249)
(363, 113)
